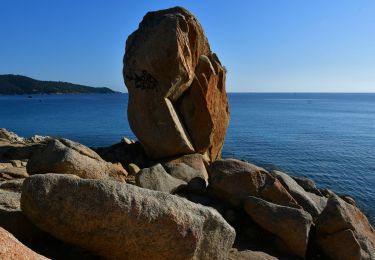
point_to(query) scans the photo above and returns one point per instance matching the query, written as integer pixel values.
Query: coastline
(28, 159)
(171, 191)
(273, 135)
(60, 94)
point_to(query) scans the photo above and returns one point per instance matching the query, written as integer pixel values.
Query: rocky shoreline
(77, 205)
(168, 195)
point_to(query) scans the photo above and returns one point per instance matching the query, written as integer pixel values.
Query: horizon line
(287, 92)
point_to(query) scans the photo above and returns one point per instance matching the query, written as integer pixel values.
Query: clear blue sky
(267, 46)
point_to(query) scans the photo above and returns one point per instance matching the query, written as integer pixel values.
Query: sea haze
(327, 137)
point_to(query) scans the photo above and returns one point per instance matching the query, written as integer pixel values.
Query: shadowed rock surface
(195, 180)
(195, 161)
(11, 217)
(298, 193)
(125, 153)
(307, 184)
(156, 178)
(291, 225)
(11, 248)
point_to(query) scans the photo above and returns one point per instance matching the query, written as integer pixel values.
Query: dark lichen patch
(144, 81)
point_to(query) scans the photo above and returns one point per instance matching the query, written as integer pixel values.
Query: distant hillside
(18, 85)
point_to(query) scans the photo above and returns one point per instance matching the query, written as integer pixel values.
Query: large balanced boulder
(12, 249)
(232, 180)
(290, 225)
(177, 99)
(344, 232)
(65, 156)
(120, 221)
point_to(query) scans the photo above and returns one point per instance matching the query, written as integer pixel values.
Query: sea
(327, 137)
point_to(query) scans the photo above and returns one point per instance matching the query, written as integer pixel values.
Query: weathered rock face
(320, 201)
(233, 180)
(65, 156)
(177, 99)
(195, 180)
(121, 221)
(10, 137)
(234, 254)
(10, 172)
(204, 107)
(11, 217)
(133, 169)
(343, 232)
(290, 225)
(195, 161)
(298, 193)
(12, 249)
(156, 178)
(15, 151)
(307, 184)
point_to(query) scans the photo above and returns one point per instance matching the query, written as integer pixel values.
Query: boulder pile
(168, 195)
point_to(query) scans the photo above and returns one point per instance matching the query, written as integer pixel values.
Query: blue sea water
(327, 137)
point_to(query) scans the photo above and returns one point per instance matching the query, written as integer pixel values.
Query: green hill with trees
(20, 85)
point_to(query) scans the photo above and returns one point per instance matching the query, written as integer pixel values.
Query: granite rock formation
(65, 156)
(179, 201)
(233, 181)
(177, 99)
(12, 249)
(121, 221)
(156, 178)
(290, 225)
(271, 212)
(344, 232)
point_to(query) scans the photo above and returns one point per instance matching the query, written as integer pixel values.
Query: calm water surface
(327, 137)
